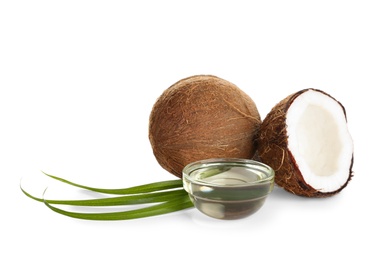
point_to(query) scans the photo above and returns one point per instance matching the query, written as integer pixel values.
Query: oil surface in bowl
(228, 192)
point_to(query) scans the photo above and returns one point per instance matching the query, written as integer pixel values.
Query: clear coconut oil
(228, 190)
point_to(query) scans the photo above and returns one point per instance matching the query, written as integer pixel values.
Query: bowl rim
(264, 168)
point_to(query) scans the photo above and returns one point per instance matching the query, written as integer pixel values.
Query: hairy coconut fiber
(202, 117)
(331, 156)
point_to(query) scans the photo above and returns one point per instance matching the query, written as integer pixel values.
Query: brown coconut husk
(273, 150)
(202, 117)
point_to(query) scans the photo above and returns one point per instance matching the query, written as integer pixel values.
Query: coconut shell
(202, 117)
(273, 150)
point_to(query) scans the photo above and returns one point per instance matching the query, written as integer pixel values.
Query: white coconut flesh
(319, 140)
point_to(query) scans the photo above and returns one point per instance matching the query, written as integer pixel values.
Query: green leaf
(119, 200)
(156, 186)
(180, 203)
(169, 195)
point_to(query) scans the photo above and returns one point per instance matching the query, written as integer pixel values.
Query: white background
(78, 80)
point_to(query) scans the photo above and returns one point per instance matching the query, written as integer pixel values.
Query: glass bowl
(228, 188)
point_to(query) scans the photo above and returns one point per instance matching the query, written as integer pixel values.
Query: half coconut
(305, 139)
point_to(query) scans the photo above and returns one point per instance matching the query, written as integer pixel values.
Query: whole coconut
(202, 117)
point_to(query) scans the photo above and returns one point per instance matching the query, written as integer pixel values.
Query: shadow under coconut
(281, 200)
(279, 193)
